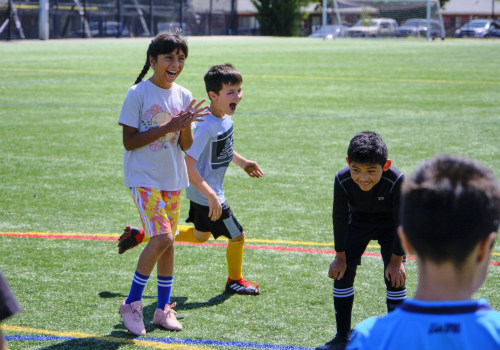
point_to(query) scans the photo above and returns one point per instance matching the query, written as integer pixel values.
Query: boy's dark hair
(448, 206)
(367, 147)
(221, 74)
(162, 44)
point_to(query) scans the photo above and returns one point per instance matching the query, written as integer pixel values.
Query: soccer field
(61, 178)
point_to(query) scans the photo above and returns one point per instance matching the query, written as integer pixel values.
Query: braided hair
(162, 44)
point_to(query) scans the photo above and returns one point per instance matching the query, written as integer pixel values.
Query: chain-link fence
(19, 19)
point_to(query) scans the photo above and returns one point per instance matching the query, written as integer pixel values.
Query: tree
(279, 17)
(442, 2)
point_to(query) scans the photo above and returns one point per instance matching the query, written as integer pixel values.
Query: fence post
(233, 22)
(151, 18)
(43, 20)
(10, 22)
(428, 16)
(181, 15)
(210, 18)
(119, 17)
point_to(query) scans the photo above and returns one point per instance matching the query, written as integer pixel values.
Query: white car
(331, 32)
(372, 28)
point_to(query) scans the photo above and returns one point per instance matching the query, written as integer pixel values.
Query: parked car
(164, 27)
(479, 28)
(331, 31)
(376, 27)
(103, 29)
(417, 27)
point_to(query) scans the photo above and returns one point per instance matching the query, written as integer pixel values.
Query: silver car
(372, 28)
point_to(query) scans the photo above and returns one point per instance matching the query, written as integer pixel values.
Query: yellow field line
(392, 80)
(60, 7)
(110, 339)
(283, 77)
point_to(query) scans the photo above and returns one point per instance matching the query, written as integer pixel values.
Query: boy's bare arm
(395, 271)
(195, 179)
(338, 266)
(250, 167)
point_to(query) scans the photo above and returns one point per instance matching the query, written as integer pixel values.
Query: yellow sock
(186, 234)
(234, 257)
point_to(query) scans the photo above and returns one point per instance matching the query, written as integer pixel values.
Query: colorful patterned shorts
(159, 210)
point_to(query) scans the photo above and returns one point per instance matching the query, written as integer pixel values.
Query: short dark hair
(367, 147)
(448, 206)
(221, 74)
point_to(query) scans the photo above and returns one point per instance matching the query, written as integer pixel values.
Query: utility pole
(43, 19)
(210, 18)
(233, 22)
(181, 14)
(323, 20)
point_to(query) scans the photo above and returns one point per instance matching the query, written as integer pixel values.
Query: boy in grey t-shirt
(207, 161)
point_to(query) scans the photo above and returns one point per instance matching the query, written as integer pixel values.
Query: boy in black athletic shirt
(365, 207)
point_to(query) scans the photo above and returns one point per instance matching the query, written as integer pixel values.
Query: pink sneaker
(132, 317)
(166, 318)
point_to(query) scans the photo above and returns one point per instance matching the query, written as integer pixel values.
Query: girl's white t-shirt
(160, 164)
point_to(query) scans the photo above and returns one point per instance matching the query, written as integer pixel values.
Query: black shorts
(359, 238)
(226, 225)
(357, 241)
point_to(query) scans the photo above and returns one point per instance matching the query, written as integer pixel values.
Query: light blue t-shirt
(213, 150)
(418, 325)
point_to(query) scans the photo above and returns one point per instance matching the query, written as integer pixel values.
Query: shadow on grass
(182, 303)
(109, 342)
(109, 295)
(120, 336)
(149, 310)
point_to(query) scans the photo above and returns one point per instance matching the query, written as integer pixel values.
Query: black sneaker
(242, 286)
(337, 343)
(130, 238)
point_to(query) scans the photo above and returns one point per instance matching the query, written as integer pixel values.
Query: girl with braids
(156, 117)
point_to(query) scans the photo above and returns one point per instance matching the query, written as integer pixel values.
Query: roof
(246, 6)
(471, 7)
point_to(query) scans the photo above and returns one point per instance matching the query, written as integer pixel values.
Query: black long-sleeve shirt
(378, 207)
(8, 303)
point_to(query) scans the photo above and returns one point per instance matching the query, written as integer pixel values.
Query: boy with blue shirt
(450, 212)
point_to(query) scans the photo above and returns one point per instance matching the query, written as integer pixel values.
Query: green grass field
(61, 172)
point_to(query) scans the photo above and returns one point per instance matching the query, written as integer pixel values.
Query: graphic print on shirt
(154, 117)
(222, 150)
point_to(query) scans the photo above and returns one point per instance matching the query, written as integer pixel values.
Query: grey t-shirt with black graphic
(213, 151)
